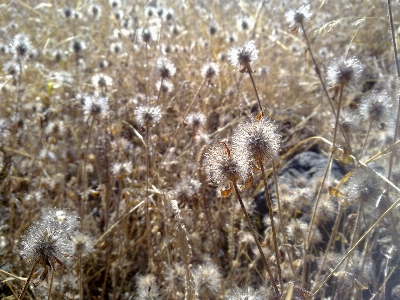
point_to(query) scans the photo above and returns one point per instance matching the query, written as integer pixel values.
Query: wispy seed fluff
(257, 138)
(297, 17)
(95, 106)
(223, 166)
(210, 70)
(376, 107)
(365, 186)
(148, 116)
(344, 71)
(165, 67)
(242, 57)
(207, 280)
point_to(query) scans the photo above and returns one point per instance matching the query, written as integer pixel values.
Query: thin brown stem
(51, 284)
(278, 200)
(83, 204)
(28, 280)
(271, 217)
(255, 89)
(253, 232)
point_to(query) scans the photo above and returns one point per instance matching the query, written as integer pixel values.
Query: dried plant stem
(51, 284)
(83, 204)
(318, 71)
(278, 200)
(148, 231)
(80, 277)
(397, 202)
(353, 237)
(184, 117)
(249, 70)
(331, 239)
(271, 217)
(253, 232)
(310, 231)
(231, 247)
(337, 116)
(366, 138)
(28, 280)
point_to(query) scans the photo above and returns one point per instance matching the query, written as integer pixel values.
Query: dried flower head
(149, 34)
(164, 86)
(77, 46)
(365, 186)
(210, 70)
(297, 17)
(207, 280)
(45, 243)
(247, 293)
(348, 120)
(376, 107)
(344, 71)
(165, 67)
(101, 80)
(94, 11)
(83, 244)
(121, 170)
(222, 166)
(242, 57)
(148, 116)
(147, 287)
(95, 106)
(20, 46)
(258, 138)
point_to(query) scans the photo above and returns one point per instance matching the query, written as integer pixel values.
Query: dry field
(135, 136)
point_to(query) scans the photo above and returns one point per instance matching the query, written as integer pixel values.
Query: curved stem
(253, 232)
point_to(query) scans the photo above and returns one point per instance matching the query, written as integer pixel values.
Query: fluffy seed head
(376, 107)
(242, 57)
(165, 86)
(365, 186)
(20, 46)
(165, 68)
(45, 243)
(222, 166)
(257, 138)
(101, 80)
(148, 116)
(95, 106)
(344, 71)
(348, 120)
(297, 17)
(210, 70)
(207, 280)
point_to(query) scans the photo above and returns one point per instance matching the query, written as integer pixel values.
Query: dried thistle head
(242, 57)
(148, 116)
(45, 244)
(344, 72)
(222, 166)
(376, 107)
(297, 17)
(258, 138)
(207, 280)
(365, 186)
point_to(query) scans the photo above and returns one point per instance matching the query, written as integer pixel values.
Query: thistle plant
(45, 244)
(242, 58)
(259, 140)
(224, 168)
